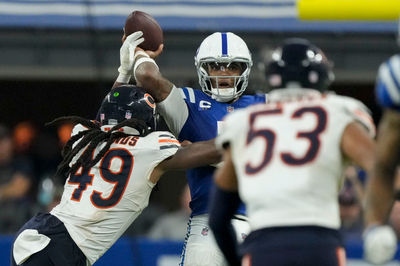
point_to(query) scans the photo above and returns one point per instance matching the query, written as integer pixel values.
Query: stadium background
(60, 58)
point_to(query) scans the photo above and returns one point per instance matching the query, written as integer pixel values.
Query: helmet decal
(149, 100)
(128, 115)
(224, 44)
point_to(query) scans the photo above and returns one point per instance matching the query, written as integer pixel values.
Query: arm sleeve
(223, 205)
(167, 145)
(159, 146)
(174, 110)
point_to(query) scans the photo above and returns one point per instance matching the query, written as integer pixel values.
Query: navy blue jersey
(388, 83)
(205, 114)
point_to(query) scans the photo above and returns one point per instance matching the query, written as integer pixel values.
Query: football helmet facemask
(223, 50)
(126, 102)
(298, 63)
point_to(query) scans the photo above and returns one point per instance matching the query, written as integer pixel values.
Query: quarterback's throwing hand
(127, 56)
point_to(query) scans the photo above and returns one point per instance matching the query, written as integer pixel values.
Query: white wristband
(122, 78)
(142, 53)
(142, 60)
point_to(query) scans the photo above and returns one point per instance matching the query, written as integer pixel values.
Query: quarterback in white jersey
(286, 158)
(112, 172)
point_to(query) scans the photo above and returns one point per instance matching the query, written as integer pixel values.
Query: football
(152, 32)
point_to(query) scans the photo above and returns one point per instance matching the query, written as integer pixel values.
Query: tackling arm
(190, 156)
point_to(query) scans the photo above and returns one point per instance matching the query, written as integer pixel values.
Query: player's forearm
(388, 141)
(205, 153)
(195, 155)
(148, 76)
(379, 196)
(380, 190)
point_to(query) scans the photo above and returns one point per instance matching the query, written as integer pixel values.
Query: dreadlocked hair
(91, 138)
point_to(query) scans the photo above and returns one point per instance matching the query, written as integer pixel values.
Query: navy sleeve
(223, 205)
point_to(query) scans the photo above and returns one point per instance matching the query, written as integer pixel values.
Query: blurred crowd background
(54, 62)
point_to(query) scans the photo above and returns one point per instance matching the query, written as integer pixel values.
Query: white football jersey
(99, 204)
(288, 158)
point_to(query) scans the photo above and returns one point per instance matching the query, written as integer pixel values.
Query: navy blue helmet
(126, 102)
(299, 63)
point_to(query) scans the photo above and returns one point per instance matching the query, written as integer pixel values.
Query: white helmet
(225, 48)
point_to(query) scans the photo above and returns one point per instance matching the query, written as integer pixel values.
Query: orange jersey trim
(362, 114)
(168, 140)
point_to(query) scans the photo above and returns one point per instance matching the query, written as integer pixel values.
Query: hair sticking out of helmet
(127, 102)
(299, 63)
(225, 50)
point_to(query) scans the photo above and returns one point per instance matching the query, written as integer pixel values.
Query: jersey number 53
(269, 136)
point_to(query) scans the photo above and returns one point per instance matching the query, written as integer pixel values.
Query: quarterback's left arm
(223, 205)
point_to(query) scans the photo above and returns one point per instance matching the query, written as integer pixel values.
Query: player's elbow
(215, 157)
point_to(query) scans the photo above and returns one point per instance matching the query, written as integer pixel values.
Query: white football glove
(127, 56)
(380, 244)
